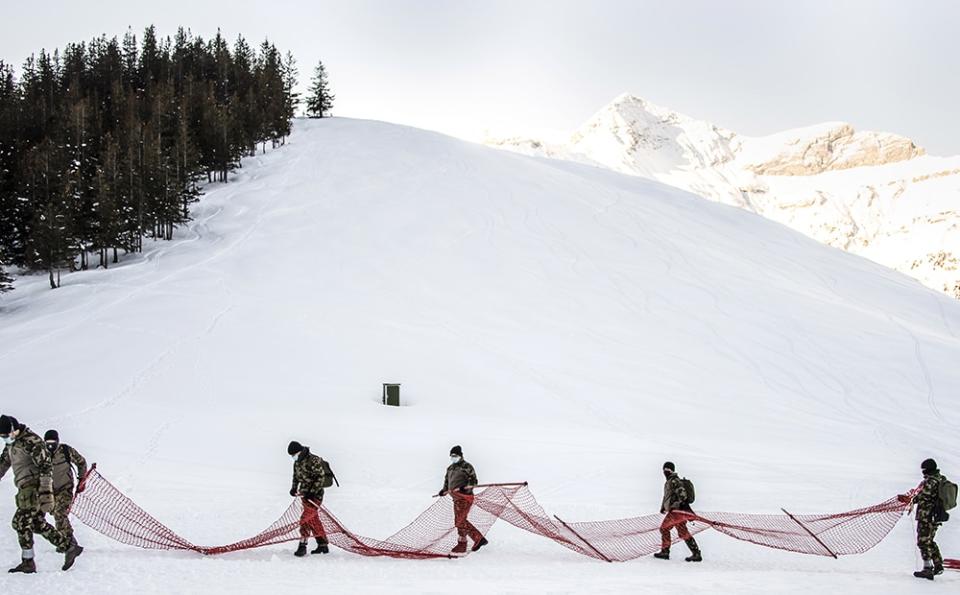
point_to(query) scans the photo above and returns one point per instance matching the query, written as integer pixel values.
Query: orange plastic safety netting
(434, 533)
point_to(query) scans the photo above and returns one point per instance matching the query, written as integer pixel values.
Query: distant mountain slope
(872, 193)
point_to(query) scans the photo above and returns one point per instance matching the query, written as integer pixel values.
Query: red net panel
(435, 532)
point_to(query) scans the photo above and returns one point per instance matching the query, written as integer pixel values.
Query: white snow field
(567, 325)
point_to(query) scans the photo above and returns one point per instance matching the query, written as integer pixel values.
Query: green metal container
(391, 394)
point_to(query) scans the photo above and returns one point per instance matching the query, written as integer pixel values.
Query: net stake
(809, 532)
(598, 552)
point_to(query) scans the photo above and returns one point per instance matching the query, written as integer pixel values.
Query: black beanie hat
(51, 435)
(670, 466)
(456, 450)
(294, 447)
(928, 467)
(8, 423)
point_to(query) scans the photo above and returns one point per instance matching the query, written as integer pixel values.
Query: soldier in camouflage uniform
(308, 479)
(459, 481)
(927, 501)
(32, 466)
(64, 457)
(675, 499)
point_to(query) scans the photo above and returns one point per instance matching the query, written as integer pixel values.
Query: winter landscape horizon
(217, 260)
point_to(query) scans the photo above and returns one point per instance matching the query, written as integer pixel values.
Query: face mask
(9, 439)
(454, 459)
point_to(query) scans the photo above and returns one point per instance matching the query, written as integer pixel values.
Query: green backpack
(948, 494)
(328, 475)
(692, 494)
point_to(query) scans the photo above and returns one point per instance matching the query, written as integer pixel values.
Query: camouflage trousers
(29, 519)
(926, 532)
(671, 521)
(61, 512)
(310, 520)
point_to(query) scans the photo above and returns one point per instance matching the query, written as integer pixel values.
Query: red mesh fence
(434, 533)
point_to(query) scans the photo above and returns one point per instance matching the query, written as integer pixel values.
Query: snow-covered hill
(871, 193)
(568, 325)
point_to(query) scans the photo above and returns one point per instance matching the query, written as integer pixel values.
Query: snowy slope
(567, 325)
(872, 193)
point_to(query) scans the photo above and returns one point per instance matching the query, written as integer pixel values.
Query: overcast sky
(468, 67)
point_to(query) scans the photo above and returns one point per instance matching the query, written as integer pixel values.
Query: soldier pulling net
(105, 509)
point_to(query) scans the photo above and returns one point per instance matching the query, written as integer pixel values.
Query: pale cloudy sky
(467, 67)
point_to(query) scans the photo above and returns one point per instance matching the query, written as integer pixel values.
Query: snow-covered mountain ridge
(876, 194)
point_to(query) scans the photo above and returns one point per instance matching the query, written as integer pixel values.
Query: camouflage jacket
(928, 498)
(459, 475)
(674, 495)
(29, 458)
(308, 475)
(65, 457)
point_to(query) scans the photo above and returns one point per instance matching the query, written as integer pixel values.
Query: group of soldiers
(460, 479)
(310, 476)
(43, 471)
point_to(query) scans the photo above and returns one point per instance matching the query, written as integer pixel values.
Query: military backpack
(688, 487)
(329, 477)
(948, 499)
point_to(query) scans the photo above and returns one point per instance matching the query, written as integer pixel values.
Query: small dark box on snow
(391, 394)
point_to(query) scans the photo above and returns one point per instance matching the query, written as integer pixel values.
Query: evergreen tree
(320, 99)
(291, 77)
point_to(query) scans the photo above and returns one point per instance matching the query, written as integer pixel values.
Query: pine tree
(291, 76)
(320, 99)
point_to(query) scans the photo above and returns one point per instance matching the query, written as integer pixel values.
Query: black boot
(938, 568)
(25, 566)
(72, 553)
(483, 541)
(301, 550)
(694, 551)
(662, 555)
(322, 548)
(926, 573)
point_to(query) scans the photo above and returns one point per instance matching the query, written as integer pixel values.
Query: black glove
(442, 493)
(293, 492)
